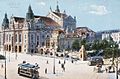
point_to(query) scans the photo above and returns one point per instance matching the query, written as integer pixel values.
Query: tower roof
(29, 14)
(30, 9)
(5, 23)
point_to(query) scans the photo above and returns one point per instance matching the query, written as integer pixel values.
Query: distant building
(85, 32)
(108, 33)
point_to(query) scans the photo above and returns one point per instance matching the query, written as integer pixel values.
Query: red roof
(48, 21)
(60, 14)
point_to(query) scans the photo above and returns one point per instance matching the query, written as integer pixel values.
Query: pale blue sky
(96, 14)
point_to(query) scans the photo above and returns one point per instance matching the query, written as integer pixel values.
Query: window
(20, 37)
(37, 37)
(25, 36)
(15, 37)
(42, 36)
(9, 37)
(31, 38)
(42, 43)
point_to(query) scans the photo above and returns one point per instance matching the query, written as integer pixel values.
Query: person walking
(45, 70)
(64, 62)
(59, 61)
(47, 62)
(64, 69)
(1, 65)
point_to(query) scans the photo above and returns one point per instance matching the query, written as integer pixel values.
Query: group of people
(62, 66)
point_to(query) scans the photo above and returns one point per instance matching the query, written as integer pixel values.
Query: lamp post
(113, 56)
(16, 55)
(54, 63)
(9, 56)
(113, 46)
(5, 66)
(54, 57)
(117, 68)
(5, 52)
(117, 65)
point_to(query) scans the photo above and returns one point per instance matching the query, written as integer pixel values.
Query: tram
(29, 70)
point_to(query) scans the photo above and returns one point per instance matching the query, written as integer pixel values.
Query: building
(85, 32)
(19, 34)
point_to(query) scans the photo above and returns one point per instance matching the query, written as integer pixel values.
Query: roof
(19, 19)
(48, 21)
(59, 30)
(60, 14)
(28, 65)
(85, 28)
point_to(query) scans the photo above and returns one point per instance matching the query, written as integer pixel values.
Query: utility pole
(5, 52)
(117, 65)
(5, 66)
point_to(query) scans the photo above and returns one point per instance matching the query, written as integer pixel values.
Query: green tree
(76, 45)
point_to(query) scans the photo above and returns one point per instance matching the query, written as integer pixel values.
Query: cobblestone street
(76, 70)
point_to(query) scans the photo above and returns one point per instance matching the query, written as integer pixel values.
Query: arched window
(20, 38)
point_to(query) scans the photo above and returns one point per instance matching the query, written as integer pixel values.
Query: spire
(29, 14)
(50, 9)
(64, 12)
(5, 23)
(57, 8)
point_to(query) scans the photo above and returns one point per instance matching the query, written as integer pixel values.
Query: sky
(97, 15)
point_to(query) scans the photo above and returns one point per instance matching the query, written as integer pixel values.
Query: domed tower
(5, 23)
(29, 14)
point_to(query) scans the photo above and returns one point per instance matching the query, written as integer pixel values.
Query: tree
(76, 45)
(83, 42)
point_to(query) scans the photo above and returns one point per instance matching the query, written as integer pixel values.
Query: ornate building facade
(27, 34)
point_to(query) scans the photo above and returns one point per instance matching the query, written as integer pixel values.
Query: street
(75, 70)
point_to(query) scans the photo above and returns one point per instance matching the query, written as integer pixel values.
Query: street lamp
(117, 68)
(54, 57)
(113, 46)
(9, 56)
(54, 64)
(113, 55)
(5, 53)
(5, 66)
(16, 55)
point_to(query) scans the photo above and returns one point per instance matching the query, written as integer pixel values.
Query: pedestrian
(106, 69)
(64, 62)
(62, 65)
(47, 62)
(64, 69)
(59, 61)
(72, 61)
(1, 65)
(45, 70)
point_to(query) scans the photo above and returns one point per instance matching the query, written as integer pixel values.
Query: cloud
(41, 3)
(98, 10)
